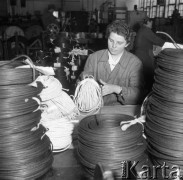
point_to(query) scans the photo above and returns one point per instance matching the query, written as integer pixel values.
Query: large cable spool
(25, 150)
(102, 141)
(165, 111)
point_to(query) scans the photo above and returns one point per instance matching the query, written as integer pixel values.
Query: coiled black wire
(12, 107)
(26, 91)
(164, 123)
(101, 140)
(18, 123)
(30, 160)
(25, 150)
(10, 74)
(16, 76)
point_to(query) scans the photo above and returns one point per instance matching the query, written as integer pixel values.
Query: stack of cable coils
(25, 150)
(164, 123)
(101, 140)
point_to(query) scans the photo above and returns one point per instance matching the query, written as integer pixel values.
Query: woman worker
(119, 72)
(144, 41)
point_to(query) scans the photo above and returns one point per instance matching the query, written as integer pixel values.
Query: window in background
(171, 8)
(148, 6)
(154, 8)
(161, 11)
(154, 11)
(148, 3)
(154, 2)
(141, 4)
(171, 2)
(181, 9)
(161, 8)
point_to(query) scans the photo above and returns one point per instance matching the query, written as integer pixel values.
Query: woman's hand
(109, 88)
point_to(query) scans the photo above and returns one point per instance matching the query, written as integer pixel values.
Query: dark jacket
(48, 18)
(144, 41)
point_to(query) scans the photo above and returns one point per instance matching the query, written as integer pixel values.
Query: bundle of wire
(55, 102)
(10, 75)
(101, 140)
(25, 150)
(165, 110)
(52, 87)
(60, 133)
(88, 95)
(58, 109)
(21, 90)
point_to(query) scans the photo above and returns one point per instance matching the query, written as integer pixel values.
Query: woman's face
(116, 43)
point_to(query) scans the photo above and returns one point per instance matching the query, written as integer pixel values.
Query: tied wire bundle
(60, 133)
(101, 140)
(88, 95)
(58, 110)
(52, 87)
(165, 110)
(11, 75)
(20, 90)
(18, 106)
(25, 150)
(55, 102)
(25, 154)
(59, 107)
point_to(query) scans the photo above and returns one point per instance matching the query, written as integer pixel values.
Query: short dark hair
(119, 27)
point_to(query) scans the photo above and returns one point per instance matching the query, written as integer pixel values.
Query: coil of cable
(56, 102)
(164, 113)
(25, 150)
(58, 110)
(60, 133)
(88, 96)
(101, 140)
(11, 75)
(22, 90)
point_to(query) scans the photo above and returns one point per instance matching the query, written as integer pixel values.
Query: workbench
(66, 165)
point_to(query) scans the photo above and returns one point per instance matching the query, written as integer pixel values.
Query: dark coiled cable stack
(101, 140)
(164, 124)
(25, 150)
(11, 73)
